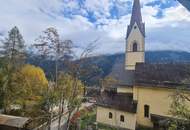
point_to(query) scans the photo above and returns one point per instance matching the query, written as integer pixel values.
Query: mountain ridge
(105, 63)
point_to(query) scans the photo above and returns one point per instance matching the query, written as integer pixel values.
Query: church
(142, 95)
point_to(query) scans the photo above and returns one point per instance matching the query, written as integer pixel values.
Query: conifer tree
(13, 49)
(13, 54)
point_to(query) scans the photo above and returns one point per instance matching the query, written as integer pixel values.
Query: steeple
(135, 39)
(136, 18)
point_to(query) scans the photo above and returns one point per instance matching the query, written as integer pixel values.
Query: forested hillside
(100, 66)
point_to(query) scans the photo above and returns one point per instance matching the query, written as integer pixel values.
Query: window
(122, 119)
(135, 47)
(146, 111)
(135, 27)
(110, 115)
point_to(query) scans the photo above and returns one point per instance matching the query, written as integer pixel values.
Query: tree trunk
(68, 120)
(60, 113)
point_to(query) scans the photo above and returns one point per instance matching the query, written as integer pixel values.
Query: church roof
(136, 18)
(123, 77)
(119, 101)
(163, 75)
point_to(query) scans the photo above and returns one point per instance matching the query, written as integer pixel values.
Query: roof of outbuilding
(165, 75)
(13, 121)
(119, 101)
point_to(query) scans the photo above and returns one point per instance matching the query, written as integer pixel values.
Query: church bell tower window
(110, 115)
(135, 47)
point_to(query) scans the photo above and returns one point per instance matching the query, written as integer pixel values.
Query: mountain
(100, 66)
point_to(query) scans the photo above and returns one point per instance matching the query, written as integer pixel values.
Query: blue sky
(167, 22)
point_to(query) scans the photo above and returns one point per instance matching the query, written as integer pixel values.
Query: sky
(83, 21)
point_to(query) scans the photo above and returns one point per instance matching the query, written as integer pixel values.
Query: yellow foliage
(35, 74)
(70, 85)
(30, 83)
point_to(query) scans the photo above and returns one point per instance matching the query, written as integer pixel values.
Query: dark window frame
(110, 115)
(146, 111)
(122, 118)
(135, 47)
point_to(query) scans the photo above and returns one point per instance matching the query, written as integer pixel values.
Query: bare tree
(76, 70)
(50, 45)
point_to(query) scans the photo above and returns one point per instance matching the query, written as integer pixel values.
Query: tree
(180, 110)
(35, 75)
(71, 90)
(13, 49)
(6, 74)
(49, 100)
(29, 85)
(76, 70)
(13, 55)
(50, 45)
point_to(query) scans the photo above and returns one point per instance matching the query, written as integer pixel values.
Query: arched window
(122, 119)
(135, 47)
(110, 115)
(146, 111)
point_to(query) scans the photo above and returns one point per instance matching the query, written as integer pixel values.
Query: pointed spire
(136, 12)
(136, 18)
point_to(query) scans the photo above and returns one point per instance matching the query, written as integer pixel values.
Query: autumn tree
(50, 45)
(13, 55)
(76, 70)
(31, 82)
(71, 90)
(7, 92)
(28, 84)
(180, 110)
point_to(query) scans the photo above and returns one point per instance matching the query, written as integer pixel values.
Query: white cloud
(99, 7)
(33, 16)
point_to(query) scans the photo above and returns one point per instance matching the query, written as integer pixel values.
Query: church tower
(135, 39)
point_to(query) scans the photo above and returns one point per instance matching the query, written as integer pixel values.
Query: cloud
(86, 20)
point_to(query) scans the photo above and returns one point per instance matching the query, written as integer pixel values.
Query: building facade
(143, 94)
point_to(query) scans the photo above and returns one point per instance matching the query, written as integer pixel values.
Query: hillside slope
(105, 63)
